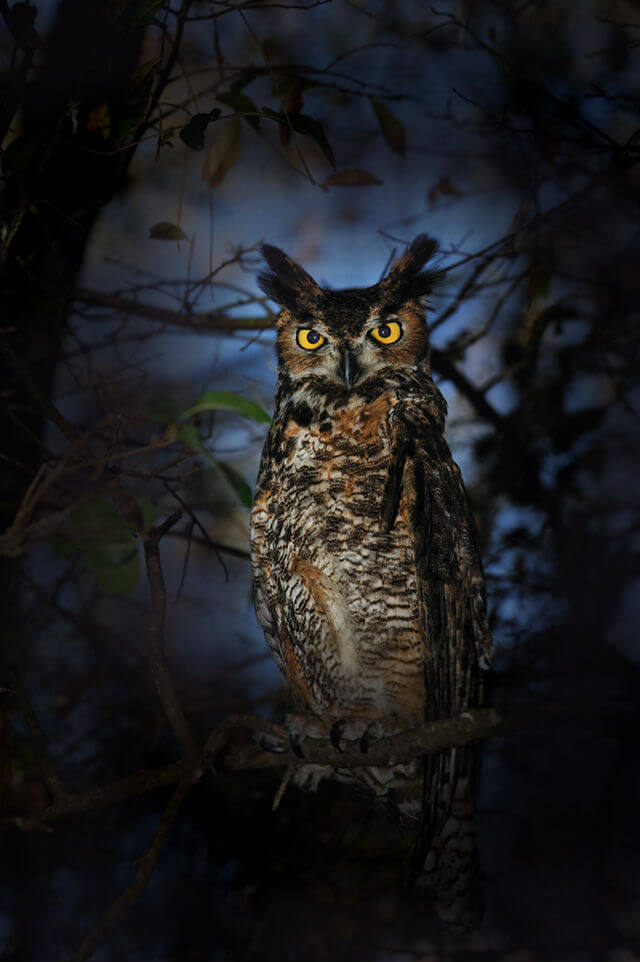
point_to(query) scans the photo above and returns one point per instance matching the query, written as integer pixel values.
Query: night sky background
(337, 130)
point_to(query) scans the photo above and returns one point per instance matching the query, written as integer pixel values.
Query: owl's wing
(457, 641)
(449, 566)
(271, 603)
(265, 586)
(263, 596)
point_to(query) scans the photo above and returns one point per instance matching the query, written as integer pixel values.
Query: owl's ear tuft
(286, 282)
(406, 275)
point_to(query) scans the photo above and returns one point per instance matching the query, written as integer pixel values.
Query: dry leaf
(391, 128)
(445, 188)
(163, 230)
(351, 178)
(222, 153)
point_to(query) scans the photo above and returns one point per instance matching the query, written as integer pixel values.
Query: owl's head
(356, 339)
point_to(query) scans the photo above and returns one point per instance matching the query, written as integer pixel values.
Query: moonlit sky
(217, 625)
(343, 237)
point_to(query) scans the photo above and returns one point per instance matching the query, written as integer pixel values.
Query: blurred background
(148, 149)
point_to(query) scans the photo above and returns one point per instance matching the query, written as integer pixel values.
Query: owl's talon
(270, 742)
(295, 740)
(372, 733)
(366, 741)
(336, 733)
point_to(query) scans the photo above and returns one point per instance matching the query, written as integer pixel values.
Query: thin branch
(447, 369)
(216, 545)
(208, 321)
(119, 908)
(567, 111)
(47, 407)
(155, 638)
(38, 740)
(145, 780)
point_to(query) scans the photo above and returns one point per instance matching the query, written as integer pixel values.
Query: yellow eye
(387, 333)
(309, 339)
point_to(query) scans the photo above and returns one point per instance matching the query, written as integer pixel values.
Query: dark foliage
(515, 129)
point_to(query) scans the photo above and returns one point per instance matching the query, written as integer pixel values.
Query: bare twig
(119, 908)
(155, 638)
(143, 781)
(205, 321)
(47, 407)
(38, 740)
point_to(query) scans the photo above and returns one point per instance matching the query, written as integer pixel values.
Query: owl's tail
(446, 863)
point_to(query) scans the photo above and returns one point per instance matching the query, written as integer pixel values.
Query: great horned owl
(367, 575)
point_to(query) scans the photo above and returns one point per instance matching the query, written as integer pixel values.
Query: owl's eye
(387, 333)
(309, 339)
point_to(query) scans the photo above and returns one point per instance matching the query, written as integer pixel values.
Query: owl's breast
(348, 585)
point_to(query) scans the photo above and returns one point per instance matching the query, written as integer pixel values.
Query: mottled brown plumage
(368, 581)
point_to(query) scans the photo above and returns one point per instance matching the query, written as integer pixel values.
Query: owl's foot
(367, 732)
(341, 731)
(372, 734)
(270, 742)
(301, 726)
(348, 729)
(308, 777)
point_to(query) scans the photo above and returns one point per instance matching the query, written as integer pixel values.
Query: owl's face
(353, 339)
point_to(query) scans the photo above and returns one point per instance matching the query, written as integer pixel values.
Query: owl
(368, 580)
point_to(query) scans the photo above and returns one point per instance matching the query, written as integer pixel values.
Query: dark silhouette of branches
(136, 384)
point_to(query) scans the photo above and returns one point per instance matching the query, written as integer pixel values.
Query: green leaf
(62, 546)
(144, 70)
(98, 518)
(162, 409)
(148, 512)
(227, 401)
(222, 153)
(391, 129)
(136, 107)
(237, 482)
(106, 541)
(351, 178)
(147, 9)
(163, 230)
(304, 124)
(118, 573)
(241, 104)
(189, 434)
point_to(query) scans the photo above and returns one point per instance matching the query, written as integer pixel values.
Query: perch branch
(227, 748)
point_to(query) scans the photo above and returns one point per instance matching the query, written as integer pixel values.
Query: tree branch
(38, 739)
(205, 321)
(155, 639)
(227, 748)
(142, 782)
(119, 908)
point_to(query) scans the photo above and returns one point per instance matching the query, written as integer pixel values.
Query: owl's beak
(348, 368)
